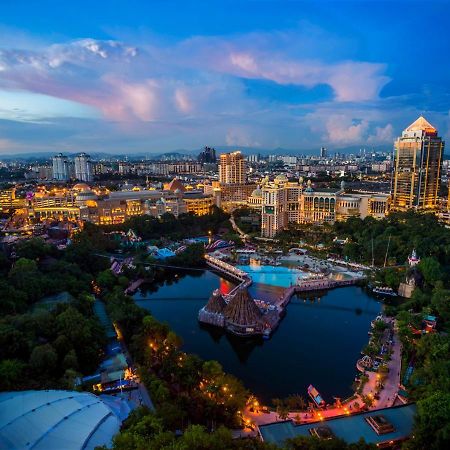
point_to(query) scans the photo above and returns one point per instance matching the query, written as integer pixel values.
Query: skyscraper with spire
(418, 161)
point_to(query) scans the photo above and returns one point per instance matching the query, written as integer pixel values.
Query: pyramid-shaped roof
(242, 310)
(175, 185)
(216, 303)
(421, 124)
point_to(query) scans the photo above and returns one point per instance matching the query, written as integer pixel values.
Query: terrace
(350, 428)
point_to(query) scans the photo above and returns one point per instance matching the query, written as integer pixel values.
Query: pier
(320, 284)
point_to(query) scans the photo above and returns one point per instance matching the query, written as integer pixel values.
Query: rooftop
(421, 124)
(349, 428)
(55, 420)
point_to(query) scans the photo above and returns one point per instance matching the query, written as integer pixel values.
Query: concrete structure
(418, 161)
(232, 168)
(54, 420)
(8, 199)
(198, 203)
(285, 202)
(83, 167)
(397, 426)
(60, 167)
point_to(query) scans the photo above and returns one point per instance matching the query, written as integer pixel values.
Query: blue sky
(129, 76)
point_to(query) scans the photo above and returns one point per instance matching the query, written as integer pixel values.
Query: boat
(387, 291)
(315, 396)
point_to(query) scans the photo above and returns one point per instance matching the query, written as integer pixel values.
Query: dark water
(318, 341)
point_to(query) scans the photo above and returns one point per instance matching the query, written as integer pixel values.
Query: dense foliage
(367, 238)
(390, 241)
(45, 342)
(170, 227)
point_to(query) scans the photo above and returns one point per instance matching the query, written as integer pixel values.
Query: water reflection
(318, 341)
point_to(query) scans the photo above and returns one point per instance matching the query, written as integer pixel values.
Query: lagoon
(318, 342)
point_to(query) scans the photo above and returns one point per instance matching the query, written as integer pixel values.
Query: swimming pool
(273, 275)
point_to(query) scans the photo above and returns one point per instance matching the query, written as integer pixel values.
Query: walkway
(387, 394)
(242, 235)
(144, 397)
(391, 384)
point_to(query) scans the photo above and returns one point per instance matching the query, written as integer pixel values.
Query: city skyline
(154, 78)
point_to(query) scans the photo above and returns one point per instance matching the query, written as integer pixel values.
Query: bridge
(232, 272)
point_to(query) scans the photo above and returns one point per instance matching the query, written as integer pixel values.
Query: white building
(60, 167)
(83, 167)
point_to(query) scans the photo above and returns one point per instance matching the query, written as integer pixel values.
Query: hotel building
(418, 161)
(284, 202)
(232, 168)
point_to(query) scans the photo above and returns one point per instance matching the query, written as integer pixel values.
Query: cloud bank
(196, 91)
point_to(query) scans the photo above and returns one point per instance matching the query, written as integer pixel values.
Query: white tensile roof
(55, 420)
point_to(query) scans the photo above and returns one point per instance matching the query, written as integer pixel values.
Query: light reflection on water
(317, 342)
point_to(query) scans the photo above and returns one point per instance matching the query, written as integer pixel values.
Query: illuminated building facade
(418, 161)
(232, 168)
(285, 202)
(9, 200)
(198, 203)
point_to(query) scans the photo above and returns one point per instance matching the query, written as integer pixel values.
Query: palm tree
(283, 411)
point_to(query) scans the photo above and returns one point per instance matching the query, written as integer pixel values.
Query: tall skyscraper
(60, 167)
(418, 160)
(208, 155)
(323, 152)
(83, 168)
(232, 168)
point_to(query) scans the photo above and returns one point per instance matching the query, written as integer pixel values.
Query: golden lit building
(418, 163)
(285, 202)
(198, 203)
(232, 168)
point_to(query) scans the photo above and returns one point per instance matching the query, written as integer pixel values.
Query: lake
(318, 342)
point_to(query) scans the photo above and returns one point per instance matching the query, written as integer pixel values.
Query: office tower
(60, 167)
(323, 152)
(232, 168)
(418, 160)
(83, 169)
(208, 155)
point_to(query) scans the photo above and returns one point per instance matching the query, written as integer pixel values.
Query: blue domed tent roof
(47, 420)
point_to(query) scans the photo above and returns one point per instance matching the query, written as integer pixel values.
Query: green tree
(432, 427)
(10, 373)
(43, 359)
(431, 270)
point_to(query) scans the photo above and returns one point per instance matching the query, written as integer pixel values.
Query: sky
(157, 76)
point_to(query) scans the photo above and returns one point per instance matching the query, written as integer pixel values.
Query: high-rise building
(232, 168)
(60, 167)
(418, 160)
(284, 202)
(323, 152)
(253, 158)
(208, 155)
(83, 169)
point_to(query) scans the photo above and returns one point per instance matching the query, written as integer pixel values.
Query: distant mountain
(180, 153)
